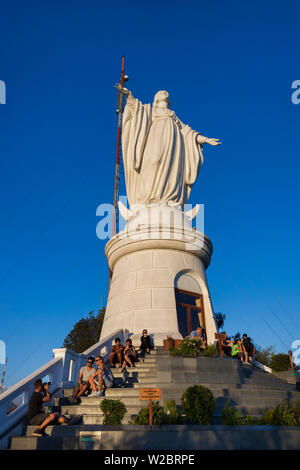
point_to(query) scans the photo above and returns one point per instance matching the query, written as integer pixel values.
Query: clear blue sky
(229, 67)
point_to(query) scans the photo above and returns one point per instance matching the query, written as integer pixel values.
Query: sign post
(220, 337)
(150, 394)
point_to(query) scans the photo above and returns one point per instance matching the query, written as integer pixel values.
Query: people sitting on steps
(248, 349)
(130, 355)
(199, 333)
(116, 355)
(101, 379)
(237, 351)
(145, 346)
(38, 417)
(83, 386)
(227, 345)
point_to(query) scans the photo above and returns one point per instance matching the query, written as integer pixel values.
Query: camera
(46, 383)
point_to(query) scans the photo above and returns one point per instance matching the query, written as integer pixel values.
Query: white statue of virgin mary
(162, 156)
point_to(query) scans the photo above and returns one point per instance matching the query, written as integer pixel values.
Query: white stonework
(162, 159)
(146, 271)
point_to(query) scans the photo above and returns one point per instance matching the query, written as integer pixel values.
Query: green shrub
(198, 404)
(297, 412)
(231, 416)
(173, 413)
(114, 411)
(280, 362)
(264, 355)
(251, 421)
(212, 350)
(281, 415)
(159, 415)
(188, 347)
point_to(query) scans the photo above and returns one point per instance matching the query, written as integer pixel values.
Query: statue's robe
(161, 156)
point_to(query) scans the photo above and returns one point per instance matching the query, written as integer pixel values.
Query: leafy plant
(280, 362)
(188, 347)
(211, 350)
(281, 415)
(85, 332)
(114, 411)
(264, 355)
(231, 416)
(220, 319)
(159, 415)
(198, 404)
(173, 413)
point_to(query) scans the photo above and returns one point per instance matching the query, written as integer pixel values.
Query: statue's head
(161, 99)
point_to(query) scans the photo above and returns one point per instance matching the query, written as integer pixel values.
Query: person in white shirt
(83, 384)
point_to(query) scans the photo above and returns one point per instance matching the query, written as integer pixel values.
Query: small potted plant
(168, 343)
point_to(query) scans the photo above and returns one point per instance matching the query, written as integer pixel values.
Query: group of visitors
(124, 356)
(240, 348)
(92, 381)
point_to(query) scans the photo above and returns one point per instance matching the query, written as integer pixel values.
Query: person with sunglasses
(83, 385)
(145, 346)
(101, 379)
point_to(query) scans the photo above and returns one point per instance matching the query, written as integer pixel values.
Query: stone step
(45, 443)
(133, 405)
(231, 386)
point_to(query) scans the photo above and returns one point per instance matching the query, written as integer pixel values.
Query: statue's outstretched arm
(201, 139)
(125, 91)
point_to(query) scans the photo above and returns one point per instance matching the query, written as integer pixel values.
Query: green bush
(281, 415)
(188, 347)
(231, 416)
(198, 404)
(264, 355)
(173, 413)
(280, 362)
(159, 415)
(114, 411)
(212, 350)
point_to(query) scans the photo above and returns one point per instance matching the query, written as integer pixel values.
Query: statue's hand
(122, 89)
(212, 141)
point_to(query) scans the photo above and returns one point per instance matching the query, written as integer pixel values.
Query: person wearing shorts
(83, 385)
(36, 415)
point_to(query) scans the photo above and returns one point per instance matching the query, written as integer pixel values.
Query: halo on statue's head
(162, 95)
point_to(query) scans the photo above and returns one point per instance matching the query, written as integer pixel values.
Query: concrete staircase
(249, 389)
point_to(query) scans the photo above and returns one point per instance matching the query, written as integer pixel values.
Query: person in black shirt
(36, 415)
(145, 346)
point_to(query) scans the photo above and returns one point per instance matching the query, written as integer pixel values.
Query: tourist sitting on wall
(101, 379)
(237, 352)
(116, 353)
(246, 347)
(83, 385)
(227, 346)
(130, 355)
(145, 346)
(252, 351)
(199, 333)
(37, 416)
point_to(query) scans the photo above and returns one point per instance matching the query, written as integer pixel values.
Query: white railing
(62, 371)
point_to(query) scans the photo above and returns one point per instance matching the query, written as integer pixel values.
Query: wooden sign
(150, 394)
(220, 335)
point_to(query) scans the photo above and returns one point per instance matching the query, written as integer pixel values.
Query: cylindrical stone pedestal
(148, 263)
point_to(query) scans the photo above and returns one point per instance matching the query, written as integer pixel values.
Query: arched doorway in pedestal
(189, 303)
